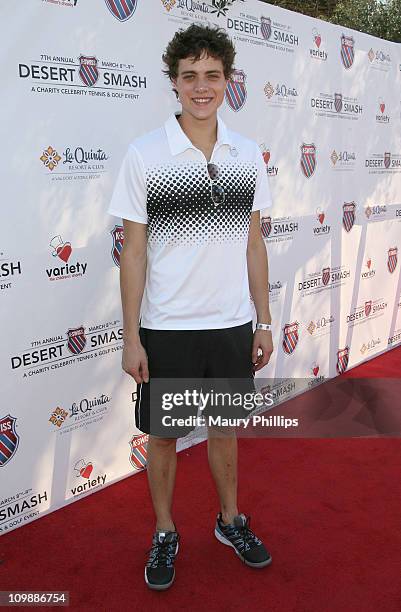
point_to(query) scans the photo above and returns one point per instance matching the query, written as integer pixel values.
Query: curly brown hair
(192, 42)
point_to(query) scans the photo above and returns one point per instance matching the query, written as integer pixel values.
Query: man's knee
(161, 443)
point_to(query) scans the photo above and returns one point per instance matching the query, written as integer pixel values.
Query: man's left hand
(262, 348)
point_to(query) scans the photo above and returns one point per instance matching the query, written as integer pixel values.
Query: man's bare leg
(223, 457)
(161, 468)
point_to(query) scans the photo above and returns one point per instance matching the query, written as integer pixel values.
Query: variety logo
(60, 351)
(236, 90)
(392, 259)
(376, 212)
(343, 161)
(379, 60)
(278, 230)
(83, 470)
(361, 313)
(380, 116)
(117, 234)
(314, 372)
(138, 451)
(326, 278)
(323, 229)
(58, 417)
(122, 9)
(349, 215)
(308, 159)
(342, 360)
(281, 95)
(20, 508)
(271, 170)
(316, 52)
(9, 439)
(347, 51)
(336, 106)
(271, 34)
(370, 272)
(91, 76)
(387, 162)
(290, 338)
(8, 269)
(62, 251)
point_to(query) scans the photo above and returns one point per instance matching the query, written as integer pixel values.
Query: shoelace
(243, 537)
(162, 553)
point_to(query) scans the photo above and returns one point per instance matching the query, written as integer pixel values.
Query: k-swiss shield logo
(347, 51)
(88, 71)
(236, 90)
(308, 159)
(139, 453)
(266, 27)
(266, 226)
(76, 340)
(338, 102)
(368, 308)
(387, 160)
(342, 360)
(122, 9)
(9, 439)
(117, 234)
(392, 259)
(325, 276)
(348, 215)
(291, 337)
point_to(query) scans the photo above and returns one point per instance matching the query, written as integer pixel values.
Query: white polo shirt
(197, 274)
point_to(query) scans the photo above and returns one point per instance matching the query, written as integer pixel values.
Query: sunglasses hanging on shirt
(216, 191)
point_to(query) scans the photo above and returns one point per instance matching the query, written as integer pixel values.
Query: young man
(189, 194)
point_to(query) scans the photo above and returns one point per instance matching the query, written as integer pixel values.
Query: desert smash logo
(90, 76)
(78, 344)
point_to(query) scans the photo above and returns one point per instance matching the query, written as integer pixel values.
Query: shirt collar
(179, 142)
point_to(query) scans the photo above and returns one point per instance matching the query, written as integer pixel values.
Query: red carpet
(329, 510)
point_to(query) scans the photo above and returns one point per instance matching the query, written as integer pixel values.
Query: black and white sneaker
(245, 543)
(159, 570)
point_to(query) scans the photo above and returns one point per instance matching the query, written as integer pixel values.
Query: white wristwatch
(264, 326)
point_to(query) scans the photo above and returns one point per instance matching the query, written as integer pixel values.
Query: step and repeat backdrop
(81, 79)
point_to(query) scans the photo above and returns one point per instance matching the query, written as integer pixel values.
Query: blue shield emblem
(392, 259)
(347, 51)
(118, 240)
(342, 360)
(9, 439)
(325, 276)
(266, 226)
(122, 9)
(348, 215)
(138, 454)
(266, 27)
(291, 337)
(308, 159)
(236, 90)
(387, 160)
(338, 102)
(76, 340)
(88, 71)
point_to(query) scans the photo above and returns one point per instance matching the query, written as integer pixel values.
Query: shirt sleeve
(262, 198)
(129, 196)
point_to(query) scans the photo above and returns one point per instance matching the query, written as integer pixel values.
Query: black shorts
(210, 360)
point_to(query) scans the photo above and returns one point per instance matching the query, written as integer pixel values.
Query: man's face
(200, 85)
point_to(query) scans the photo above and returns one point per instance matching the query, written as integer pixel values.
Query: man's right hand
(135, 361)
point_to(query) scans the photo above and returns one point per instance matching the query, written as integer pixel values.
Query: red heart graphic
(266, 156)
(86, 471)
(318, 40)
(382, 107)
(64, 251)
(369, 263)
(315, 370)
(321, 217)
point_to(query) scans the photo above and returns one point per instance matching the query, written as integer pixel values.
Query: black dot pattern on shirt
(181, 210)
